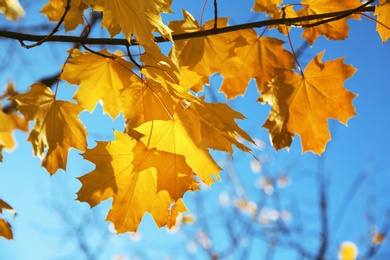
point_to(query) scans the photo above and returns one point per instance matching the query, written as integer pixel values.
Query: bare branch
(109, 41)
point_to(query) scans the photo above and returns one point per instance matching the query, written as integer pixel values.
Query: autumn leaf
(55, 9)
(383, 22)
(335, 30)
(263, 58)
(218, 127)
(178, 208)
(181, 135)
(206, 55)
(302, 104)
(140, 17)
(100, 78)
(8, 123)
(57, 127)
(270, 7)
(11, 9)
(138, 179)
(5, 227)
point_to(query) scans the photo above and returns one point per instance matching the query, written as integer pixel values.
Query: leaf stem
(293, 51)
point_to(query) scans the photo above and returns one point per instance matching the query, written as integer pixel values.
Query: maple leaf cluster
(165, 148)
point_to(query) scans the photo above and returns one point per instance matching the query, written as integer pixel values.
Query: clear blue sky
(48, 215)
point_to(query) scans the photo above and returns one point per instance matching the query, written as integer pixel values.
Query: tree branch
(107, 41)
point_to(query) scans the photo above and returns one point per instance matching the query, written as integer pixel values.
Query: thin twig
(176, 37)
(47, 37)
(350, 12)
(215, 14)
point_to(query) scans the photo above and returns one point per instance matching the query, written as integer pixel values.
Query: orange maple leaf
(262, 58)
(100, 78)
(270, 7)
(206, 55)
(55, 9)
(138, 179)
(302, 104)
(8, 123)
(140, 17)
(383, 12)
(335, 30)
(56, 128)
(182, 135)
(218, 127)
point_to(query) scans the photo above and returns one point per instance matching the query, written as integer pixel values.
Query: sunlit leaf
(57, 126)
(383, 12)
(302, 104)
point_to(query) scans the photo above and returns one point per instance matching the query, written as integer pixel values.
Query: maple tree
(169, 131)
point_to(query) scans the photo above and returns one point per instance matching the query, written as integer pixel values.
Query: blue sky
(48, 217)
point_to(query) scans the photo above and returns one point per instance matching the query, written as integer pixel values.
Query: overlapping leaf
(262, 58)
(100, 78)
(336, 30)
(181, 136)
(383, 12)
(302, 104)
(138, 179)
(140, 17)
(11, 9)
(55, 9)
(57, 127)
(206, 55)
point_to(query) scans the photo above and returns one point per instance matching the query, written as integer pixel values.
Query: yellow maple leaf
(138, 179)
(100, 78)
(56, 128)
(140, 17)
(270, 7)
(11, 9)
(335, 30)
(8, 123)
(218, 127)
(1, 150)
(206, 55)
(5, 227)
(179, 207)
(55, 9)
(263, 58)
(383, 12)
(302, 104)
(181, 135)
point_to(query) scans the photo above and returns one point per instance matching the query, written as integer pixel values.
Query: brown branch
(47, 37)
(106, 41)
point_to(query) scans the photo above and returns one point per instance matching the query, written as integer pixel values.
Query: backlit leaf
(100, 78)
(263, 58)
(139, 17)
(55, 9)
(138, 179)
(57, 127)
(206, 55)
(302, 104)
(11, 9)
(383, 12)
(336, 30)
